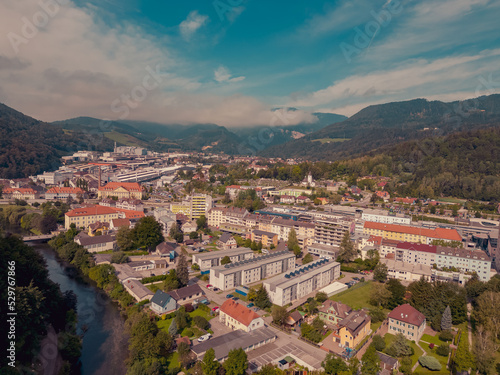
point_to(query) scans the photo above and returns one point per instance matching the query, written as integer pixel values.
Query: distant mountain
(29, 146)
(279, 134)
(391, 123)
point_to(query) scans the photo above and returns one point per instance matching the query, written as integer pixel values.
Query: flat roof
(233, 340)
(253, 262)
(223, 253)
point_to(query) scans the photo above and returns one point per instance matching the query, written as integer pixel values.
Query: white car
(204, 337)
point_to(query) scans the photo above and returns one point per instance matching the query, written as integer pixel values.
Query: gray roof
(161, 298)
(86, 240)
(187, 291)
(225, 237)
(233, 340)
(387, 359)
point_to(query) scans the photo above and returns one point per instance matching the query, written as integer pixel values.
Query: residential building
(331, 231)
(84, 216)
(389, 365)
(120, 190)
(323, 251)
(406, 271)
(226, 241)
(95, 244)
(212, 259)
(267, 238)
(165, 249)
(410, 233)
(332, 312)
(251, 270)
(130, 204)
(299, 282)
(216, 216)
(466, 260)
(407, 320)
(163, 303)
(287, 199)
(304, 230)
(187, 294)
(385, 217)
(200, 204)
(137, 290)
(237, 316)
(64, 193)
(352, 329)
(20, 193)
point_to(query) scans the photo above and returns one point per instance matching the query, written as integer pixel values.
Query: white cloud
(192, 23)
(221, 74)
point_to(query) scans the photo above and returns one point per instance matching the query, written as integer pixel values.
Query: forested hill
(391, 123)
(29, 146)
(463, 165)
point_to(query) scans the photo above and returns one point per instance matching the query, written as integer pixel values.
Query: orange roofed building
(120, 190)
(64, 193)
(20, 193)
(237, 316)
(406, 233)
(85, 216)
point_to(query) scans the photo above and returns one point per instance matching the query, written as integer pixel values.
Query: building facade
(407, 320)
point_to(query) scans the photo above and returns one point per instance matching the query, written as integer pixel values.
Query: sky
(231, 62)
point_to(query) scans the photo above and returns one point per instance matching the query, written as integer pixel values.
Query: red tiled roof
(65, 190)
(238, 312)
(120, 223)
(417, 247)
(20, 190)
(130, 214)
(103, 210)
(129, 186)
(377, 240)
(440, 233)
(408, 314)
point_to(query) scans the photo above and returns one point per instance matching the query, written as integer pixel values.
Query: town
(264, 274)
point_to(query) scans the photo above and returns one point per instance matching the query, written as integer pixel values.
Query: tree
(201, 322)
(279, 314)
(379, 295)
(184, 354)
(463, 360)
(119, 257)
(225, 260)
(370, 362)
(380, 273)
(236, 362)
(446, 319)
(373, 199)
(443, 350)
(209, 364)
(124, 238)
(400, 347)
(347, 250)
(171, 282)
(181, 318)
(293, 243)
(193, 235)
(377, 315)
(148, 232)
(378, 342)
(486, 311)
(397, 293)
(201, 222)
(308, 258)
(321, 297)
(484, 349)
(430, 362)
(172, 329)
(262, 298)
(333, 365)
(182, 270)
(312, 307)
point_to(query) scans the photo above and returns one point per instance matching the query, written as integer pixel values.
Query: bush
(446, 336)
(321, 297)
(188, 332)
(430, 362)
(152, 279)
(431, 345)
(443, 350)
(377, 315)
(201, 322)
(189, 308)
(378, 342)
(203, 307)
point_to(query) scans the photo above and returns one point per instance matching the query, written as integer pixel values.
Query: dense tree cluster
(147, 233)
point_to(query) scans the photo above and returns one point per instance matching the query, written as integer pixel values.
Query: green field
(125, 139)
(431, 339)
(331, 140)
(432, 353)
(356, 297)
(414, 358)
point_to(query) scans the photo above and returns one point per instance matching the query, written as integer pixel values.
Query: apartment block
(251, 270)
(290, 286)
(212, 259)
(410, 233)
(331, 231)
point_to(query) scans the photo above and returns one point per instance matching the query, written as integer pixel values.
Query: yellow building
(406, 233)
(267, 238)
(85, 216)
(120, 190)
(353, 329)
(180, 208)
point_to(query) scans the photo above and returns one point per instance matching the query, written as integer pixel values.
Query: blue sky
(231, 61)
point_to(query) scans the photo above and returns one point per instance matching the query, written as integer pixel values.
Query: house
(117, 223)
(388, 363)
(407, 320)
(323, 201)
(142, 265)
(98, 228)
(20, 193)
(352, 329)
(267, 238)
(237, 316)
(189, 226)
(95, 244)
(137, 290)
(163, 303)
(287, 199)
(384, 195)
(227, 241)
(332, 312)
(84, 216)
(165, 249)
(294, 319)
(303, 199)
(121, 190)
(130, 204)
(183, 339)
(187, 294)
(64, 193)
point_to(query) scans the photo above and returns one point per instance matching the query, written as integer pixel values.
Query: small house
(163, 303)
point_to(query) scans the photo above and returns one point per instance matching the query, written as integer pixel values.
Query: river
(104, 346)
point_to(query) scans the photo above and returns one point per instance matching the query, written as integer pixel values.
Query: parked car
(204, 337)
(235, 298)
(215, 289)
(209, 286)
(229, 296)
(355, 278)
(250, 305)
(216, 308)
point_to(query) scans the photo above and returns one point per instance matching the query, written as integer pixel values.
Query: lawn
(153, 287)
(173, 360)
(431, 339)
(356, 297)
(432, 353)
(164, 324)
(199, 312)
(414, 358)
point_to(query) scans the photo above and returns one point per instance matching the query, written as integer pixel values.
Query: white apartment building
(304, 230)
(331, 231)
(251, 270)
(384, 217)
(465, 260)
(290, 286)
